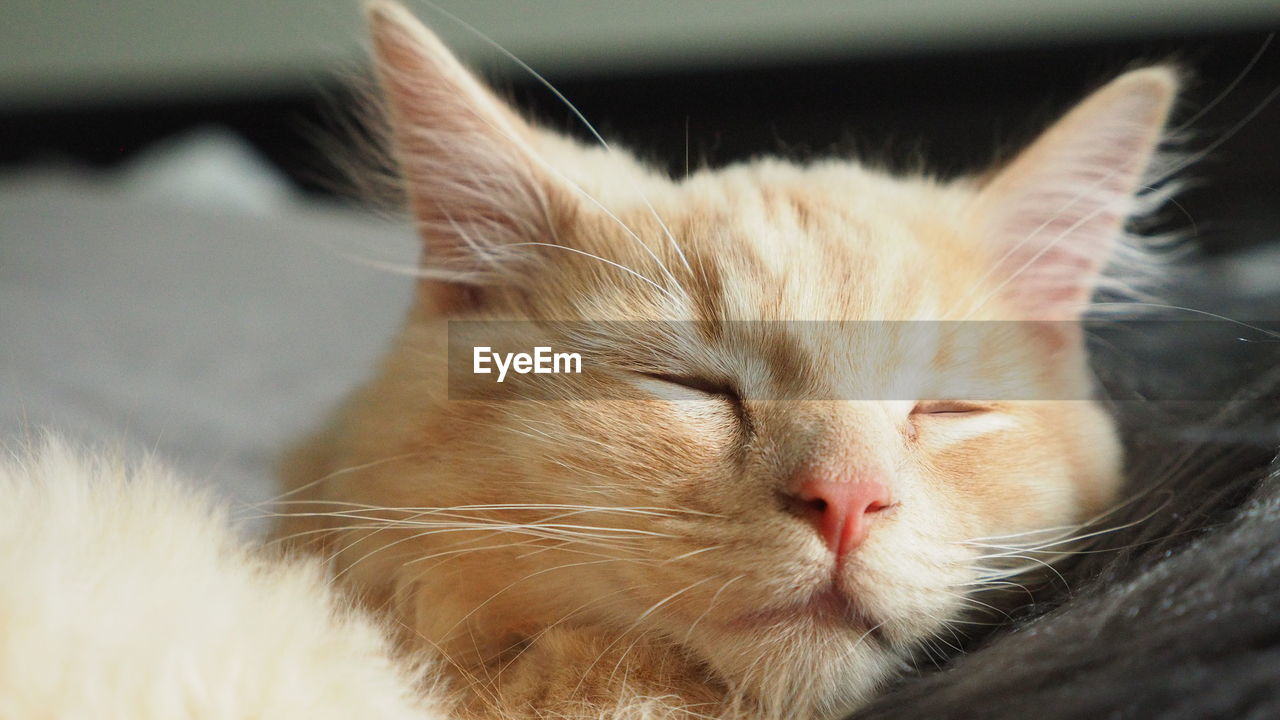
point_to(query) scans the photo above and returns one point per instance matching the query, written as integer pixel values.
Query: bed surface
(188, 304)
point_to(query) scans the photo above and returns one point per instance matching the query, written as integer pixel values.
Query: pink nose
(839, 507)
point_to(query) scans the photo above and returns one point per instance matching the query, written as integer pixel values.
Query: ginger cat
(685, 542)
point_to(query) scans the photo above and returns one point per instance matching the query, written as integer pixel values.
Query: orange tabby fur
(627, 554)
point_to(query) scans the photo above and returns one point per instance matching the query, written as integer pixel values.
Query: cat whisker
(469, 545)
(622, 656)
(529, 642)
(1231, 86)
(622, 543)
(1023, 552)
(988, 575)
(487, 696)
(926, 647)
(985, 584)
(1222, 138)
(566, 546)
(482, 524)
(530, 576)
(710, 605)
(944, 625)
(1057, 529)
(563, 547)
(1042, 564)
(569, 510)
(691, 553)
(995, 578)
(316, 532)
(330, 476)
(640, 619)
(1062, 538)
(977, 603)
(976, 623)
(1178, 308)
(559, 533)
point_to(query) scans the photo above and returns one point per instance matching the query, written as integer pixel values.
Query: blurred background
(94, 83)
(179, 271)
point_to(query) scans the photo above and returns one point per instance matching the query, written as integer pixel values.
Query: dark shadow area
(951, 112)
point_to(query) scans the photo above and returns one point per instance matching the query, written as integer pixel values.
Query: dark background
(958, 109)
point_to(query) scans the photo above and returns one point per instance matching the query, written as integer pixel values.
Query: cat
(127, 595)
(1172, 614)
(732, 522)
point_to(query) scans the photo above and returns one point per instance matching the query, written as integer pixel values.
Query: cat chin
(821, 657)
(829, 608)
(808, 667)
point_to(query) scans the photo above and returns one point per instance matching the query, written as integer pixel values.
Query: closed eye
(713, 388)
(948, 407)
(702, 385)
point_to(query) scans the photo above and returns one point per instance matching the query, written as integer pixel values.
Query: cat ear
(1054, 214)
(476, 187)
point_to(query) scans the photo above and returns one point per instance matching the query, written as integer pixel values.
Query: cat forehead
(770, 205)
(835, 237)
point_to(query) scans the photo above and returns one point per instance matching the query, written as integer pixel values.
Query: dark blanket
(1177, 616)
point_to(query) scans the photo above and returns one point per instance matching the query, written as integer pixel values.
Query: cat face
(758, 471)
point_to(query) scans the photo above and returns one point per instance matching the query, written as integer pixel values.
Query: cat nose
(839, 507)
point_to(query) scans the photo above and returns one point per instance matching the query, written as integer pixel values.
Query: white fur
(126, 596)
